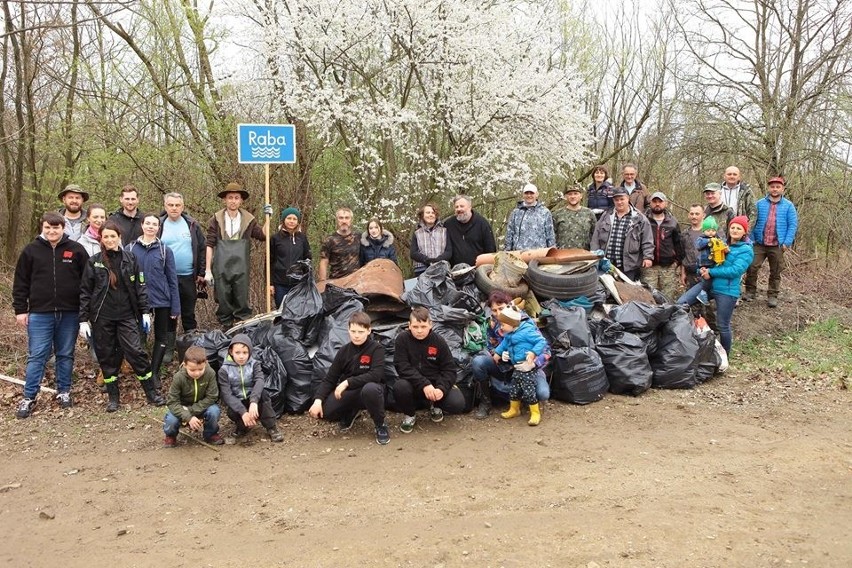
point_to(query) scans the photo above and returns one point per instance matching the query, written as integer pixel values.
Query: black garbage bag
(433, 288)
(578, 375)
(571, 320)
(334, 334)
(302, 308)
(300, 369)
(186, 341)
(643, 319)
(673, 361)
(214, 342)
(450, 324)
(624, 356)
(276, 378)
(258, 332)
(705, 360)
(334, 296)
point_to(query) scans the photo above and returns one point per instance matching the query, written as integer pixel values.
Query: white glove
(85, 330)
(146, 323)
(208, 277)
(525, 366)
(505, 356)
(267, 210)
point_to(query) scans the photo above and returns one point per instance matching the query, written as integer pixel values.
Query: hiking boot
(702, 297)
(407, 426)
(484, 408)
(64, 399)
(112, 391)
(275, 435)
(215, 440)
(748, 296)
(170, 442)
(772, 302)
(436, 414)
(347, 422)
(25, 408)
(382, 435)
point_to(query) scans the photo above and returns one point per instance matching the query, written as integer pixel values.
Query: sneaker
(436, 414)
(25, 408)
(702, 297)
(772, 302)
(748, 296)
(382, 435)
(347, 422)
(275, 435)
(170, 442)
(215, 440)
(64, 399)
(407, 426)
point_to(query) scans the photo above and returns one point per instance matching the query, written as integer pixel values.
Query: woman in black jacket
(113, 304)
(376, 242)
(287, 247)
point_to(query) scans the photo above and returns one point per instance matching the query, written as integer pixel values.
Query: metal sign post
(266, 144)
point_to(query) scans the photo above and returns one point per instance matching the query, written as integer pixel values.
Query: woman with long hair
(113, 304)
(376, 242)
(90, 238)
(429, 243)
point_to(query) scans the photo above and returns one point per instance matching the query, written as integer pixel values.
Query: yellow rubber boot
(535, 415)
(514, 409)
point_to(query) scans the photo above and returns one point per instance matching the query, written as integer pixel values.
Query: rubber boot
(484, 408)
(514, 409)
(169, 353)
(157, 359)
(535, 415)
(112, 391)
(152, 395)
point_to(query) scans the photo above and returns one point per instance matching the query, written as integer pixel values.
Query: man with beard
(574, 224)
(73, 197)
(664, 272)
(340, 252)
(469, 232)
(128, 218)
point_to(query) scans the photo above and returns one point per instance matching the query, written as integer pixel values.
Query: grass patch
(821, 350)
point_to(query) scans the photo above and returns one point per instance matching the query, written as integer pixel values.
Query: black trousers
(264, 408)
(370, 397)
(163, 324)
(117, 340)
(408, 400)
(188, 293)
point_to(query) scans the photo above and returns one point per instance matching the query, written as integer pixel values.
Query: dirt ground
(747, 470)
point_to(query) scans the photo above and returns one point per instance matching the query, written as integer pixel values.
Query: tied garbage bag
(433, 288)
(334, 334)
(450, 323)
(624, 357)
(294, 357)
(185, 341)
(214, 342)
(302, 307)
(578, 375)
(643, 320)
(673, 360)
(705, 359)
(571, 321)
(275, 378)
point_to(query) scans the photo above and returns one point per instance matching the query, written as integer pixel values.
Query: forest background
(399, 102)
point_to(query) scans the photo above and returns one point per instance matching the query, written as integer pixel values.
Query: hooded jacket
(525, 338)
(190, 397)
(157, 263)
(530, 227)
(371, 248)
(725, 278)
(238, 383)
(285, 250)
(95, 284)
(47, 278)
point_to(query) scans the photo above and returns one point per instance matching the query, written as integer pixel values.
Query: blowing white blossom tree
(428, 98)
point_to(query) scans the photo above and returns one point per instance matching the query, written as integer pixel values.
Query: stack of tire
(561, 286)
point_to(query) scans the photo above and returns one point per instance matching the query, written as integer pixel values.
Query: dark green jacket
(188, 397)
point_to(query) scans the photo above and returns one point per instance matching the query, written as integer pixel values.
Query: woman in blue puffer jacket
(726, 279)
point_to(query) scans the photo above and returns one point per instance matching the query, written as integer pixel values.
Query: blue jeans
(280, 292)
(724, 312)
(484, 367)
(171, 424)
(46, 331)
(691, 296)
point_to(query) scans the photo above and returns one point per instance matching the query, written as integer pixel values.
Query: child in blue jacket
(522, 343)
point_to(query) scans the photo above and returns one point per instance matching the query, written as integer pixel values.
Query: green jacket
(188, 397)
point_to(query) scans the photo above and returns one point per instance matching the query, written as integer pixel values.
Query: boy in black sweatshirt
(355, 381)
(427, 372)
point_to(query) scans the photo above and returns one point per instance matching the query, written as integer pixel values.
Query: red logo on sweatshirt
(67, 254)
(432, 351)
(366, 359)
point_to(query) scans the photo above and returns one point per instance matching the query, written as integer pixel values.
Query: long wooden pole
(266, 230)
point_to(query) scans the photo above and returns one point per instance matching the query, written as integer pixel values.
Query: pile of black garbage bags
(636, 347)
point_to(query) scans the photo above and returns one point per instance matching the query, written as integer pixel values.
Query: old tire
(484, 283)
(562, 286)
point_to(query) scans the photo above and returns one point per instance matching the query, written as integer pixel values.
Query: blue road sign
(266, 143)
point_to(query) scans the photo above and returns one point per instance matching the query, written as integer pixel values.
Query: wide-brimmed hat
(73, 188)
(233, 187)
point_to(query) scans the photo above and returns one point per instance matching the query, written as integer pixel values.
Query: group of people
(114, 278)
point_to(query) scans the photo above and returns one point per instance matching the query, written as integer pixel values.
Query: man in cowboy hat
(228, 247)
(73, 197)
